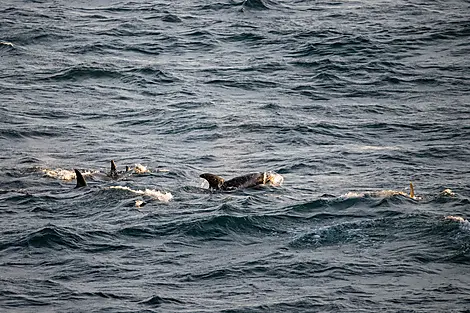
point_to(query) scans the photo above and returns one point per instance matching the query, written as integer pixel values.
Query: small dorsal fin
(215, 181)
(113, 172)
(412, 190)
(113, 166)
(80, 180)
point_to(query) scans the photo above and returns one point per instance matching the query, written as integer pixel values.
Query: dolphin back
(215, 182)
(245, 181)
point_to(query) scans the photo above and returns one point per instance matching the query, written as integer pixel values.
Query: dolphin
(114, 174)
(245, 181)
(154, 194)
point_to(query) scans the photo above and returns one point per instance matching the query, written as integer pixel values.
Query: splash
(139, 203)
(140, 169)
(6, 43)
(379, 194)
(155, 194)
(447, 193)
(464, 224)
(66, 175)
(375, 194)
(273, 178)
(377, 148)
(456, 218)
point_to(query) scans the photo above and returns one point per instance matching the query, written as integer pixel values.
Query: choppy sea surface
(348, 100)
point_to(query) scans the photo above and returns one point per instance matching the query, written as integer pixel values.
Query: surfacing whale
(245, 181)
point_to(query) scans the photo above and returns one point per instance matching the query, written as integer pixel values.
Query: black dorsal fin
(114, 172)
(80, 180)
(113, 167)
(215, 181)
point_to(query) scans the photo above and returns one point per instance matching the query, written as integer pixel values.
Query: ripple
(52, 237)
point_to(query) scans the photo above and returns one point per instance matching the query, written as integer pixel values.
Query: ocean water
(348, 100)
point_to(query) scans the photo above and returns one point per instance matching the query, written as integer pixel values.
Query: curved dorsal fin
(80, 180)
(215, 181)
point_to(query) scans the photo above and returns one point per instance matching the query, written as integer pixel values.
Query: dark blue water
(348, 100)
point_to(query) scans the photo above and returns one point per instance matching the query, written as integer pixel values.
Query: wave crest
(63, 174)
(155, 194)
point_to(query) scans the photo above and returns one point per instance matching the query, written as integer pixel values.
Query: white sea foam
(447, 193)
(6, 43)
(163, 197)
(464, 224)
(140, 169)
(274, 178)
(64, 174)
(378, 194)
(374, 148)
(353, 195)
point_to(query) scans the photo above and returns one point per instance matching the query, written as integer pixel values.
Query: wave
(158, 300)
(340, 45)
(97, 294)
(82, 73)
(94, 47)
(150, 49)
(223, 225)
(155, 194)
(258, 4)
(127, 75)
(53, 237)
(449, 235)
(46, 132)
(245, 37)
(6, 43)
(171, 18)
(463, 223)
(59, 238)
(247, 85)
(6, 47)
(210, 227)
(336, 234)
